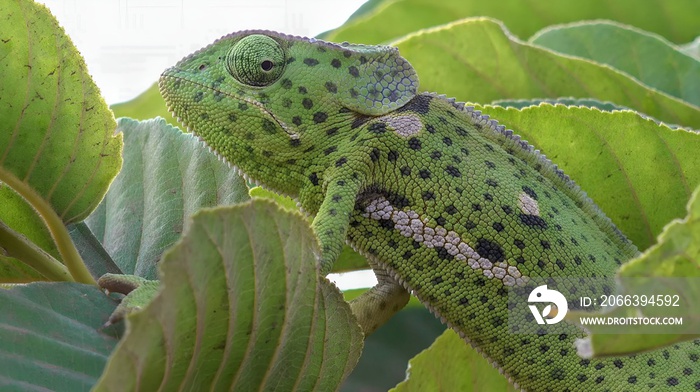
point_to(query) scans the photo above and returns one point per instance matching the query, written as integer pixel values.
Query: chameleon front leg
(377, 305)
(333, 217)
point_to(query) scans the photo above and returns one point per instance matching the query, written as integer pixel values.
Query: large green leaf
(242, 308)
(167, 176)
(57, 148)
(477, 60)
(671, 266)
(674, 19)
(451, 365)
(640, 173)
(649, 58)
(52, 336)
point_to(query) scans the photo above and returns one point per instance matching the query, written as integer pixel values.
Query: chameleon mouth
(176, 77)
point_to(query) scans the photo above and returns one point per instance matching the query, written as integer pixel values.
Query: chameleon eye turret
(256, 60)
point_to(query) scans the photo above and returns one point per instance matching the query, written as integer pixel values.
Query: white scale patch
(404, 124)
(411, 225)
(528, 205)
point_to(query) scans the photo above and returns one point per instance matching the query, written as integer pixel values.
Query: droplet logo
(543, 294)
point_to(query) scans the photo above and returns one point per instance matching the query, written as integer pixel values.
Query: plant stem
(59, 232)
(19, 247)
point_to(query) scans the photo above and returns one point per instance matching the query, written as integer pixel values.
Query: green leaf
(57, 148)
(479, 61)
(57, 138)
(675, 19)
(630, 166)
(167, 176)
(451, 364)
(647, 57)
(692, 49)
(149, 104)
(241, 308)
(591, 103)
(15, 271)
(387, 350)
(52, 336)
(671, 267)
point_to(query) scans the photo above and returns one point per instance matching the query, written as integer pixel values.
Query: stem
(59, 233)
(19, 247)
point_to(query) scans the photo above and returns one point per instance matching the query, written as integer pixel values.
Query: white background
(128, 43)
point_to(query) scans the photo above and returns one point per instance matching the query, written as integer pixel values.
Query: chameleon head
(260, 99)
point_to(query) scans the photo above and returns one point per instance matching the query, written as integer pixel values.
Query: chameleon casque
(444, 202)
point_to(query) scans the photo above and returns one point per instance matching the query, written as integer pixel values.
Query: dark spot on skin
(519, 244)
(419, 104)
(286, 83)
(347, 54)
(320, 117)
(354, 71)
(599, 366)
(392, 155)
(541, 264)
(451, 209)
(377, 127)
(424, 174)
(427, 195)
(461, 131)
(340, 162)
(363, 59)
(310, 62)
(296, 120)
(672, 381)
(490, 164)
(386, 224)
(489, 147)
(488, 197)
(268, 126)
(414, 143)
(336, 198)
(291, 60)
(329, 150)
(441, 221)
(435, 154)
(331, 87)
(405, 171)
(618, 363)
(307, 103)
(476, 207)
(529, 192)
(302, 90)
(430, 128)
(242, 106)
(560, 264)
(359, 121)
(331, 131)
(313, 177)
(447, 141)
(498, 226)
(453, 171)
(335, 63)
(507, 209)
(491, 182)
(545, 244)
(295, 142)
(533, 221)
(198, 96)
(490, 250)
(374, 155)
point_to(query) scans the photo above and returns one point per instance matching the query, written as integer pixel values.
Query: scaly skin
(443, 201)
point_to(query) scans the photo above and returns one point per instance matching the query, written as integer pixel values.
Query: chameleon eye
(256, 60)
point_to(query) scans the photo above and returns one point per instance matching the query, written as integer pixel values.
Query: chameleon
(444, 202)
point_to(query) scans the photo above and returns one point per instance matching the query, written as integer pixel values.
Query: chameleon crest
(444, 202)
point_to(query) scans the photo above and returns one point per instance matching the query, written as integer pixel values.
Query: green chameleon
(444, 202)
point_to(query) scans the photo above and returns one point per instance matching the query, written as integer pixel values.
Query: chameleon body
(444, 202)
